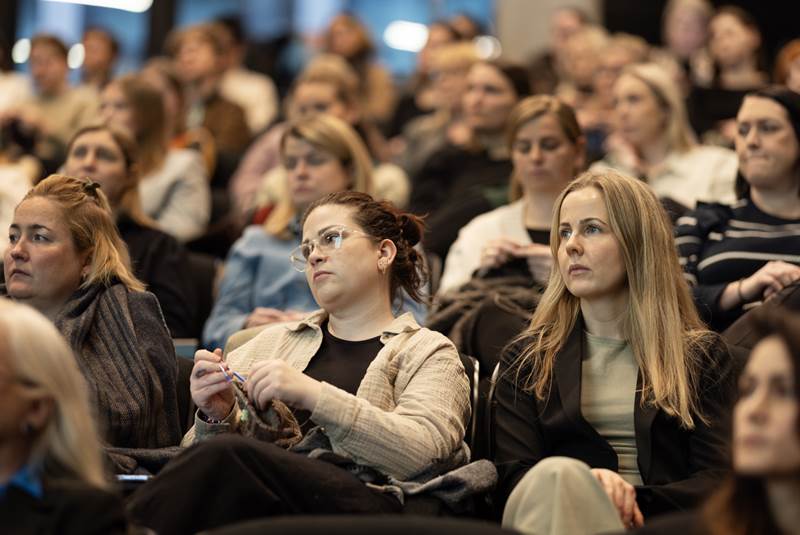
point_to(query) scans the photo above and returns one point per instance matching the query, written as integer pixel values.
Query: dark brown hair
(383, 221)
(46, 39)
(741, 506)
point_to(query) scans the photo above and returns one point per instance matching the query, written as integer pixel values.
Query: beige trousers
(560, 496)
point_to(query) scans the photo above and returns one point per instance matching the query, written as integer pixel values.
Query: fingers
(628, 504)
(638, 517)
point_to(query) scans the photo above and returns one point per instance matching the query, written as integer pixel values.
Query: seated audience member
(100, 53)
(423, 136)
(612, 404)
(15, 87)
(108, 156)
(349, 38)
(199, 60)
(253, 91)
(580, 61)
(389, 397)
(173, 187)
(654, 141)
(67, 260)
(418, 97)
(762, 494)
(459, 182)
(546, 146)
(787, 66)
(741, 254)
(58, 109)
(321, 155)
(685, 32)
(547, 68)
(52, 478)
(737, 69)
(18, 172)
(327, 85)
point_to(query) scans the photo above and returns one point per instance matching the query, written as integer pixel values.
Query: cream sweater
(410, 409)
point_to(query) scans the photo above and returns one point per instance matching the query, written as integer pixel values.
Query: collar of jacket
(404, 323)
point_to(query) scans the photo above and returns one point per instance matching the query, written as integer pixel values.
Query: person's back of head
(57, 422)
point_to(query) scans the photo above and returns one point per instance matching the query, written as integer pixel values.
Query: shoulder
(707, 215)
(183, 158)
(256, 241)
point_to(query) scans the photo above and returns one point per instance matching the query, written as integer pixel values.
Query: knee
(220, 449)
(550, 474)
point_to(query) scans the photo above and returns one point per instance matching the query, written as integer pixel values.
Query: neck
(605, 316)
(55, 90)
(740, 75)
(493, 142)
(539, 208)
(655, 152)
(361, 321)
(783, 495)
(203, 88)
(13, 456)
(780, 201)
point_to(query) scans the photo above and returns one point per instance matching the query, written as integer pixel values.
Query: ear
(40, 410)
(387, 251)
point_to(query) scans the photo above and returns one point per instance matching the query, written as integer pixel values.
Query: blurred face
(97, 156)
(686, 31)
(98, 53)
(766, 144)
(48, 68)
(173, 106)
(613, 60)
(338, 277)
(450, 85)
(489, 98)
(589, 255)
(115, 109)
(314, 97)
(793, 78)
(563, 25)
(731, 42)
(544, 158)
(765, 429)
(580, 59)
(41, 264)
(196, 58)
(345, 38)
(640, 118)
(312, 172)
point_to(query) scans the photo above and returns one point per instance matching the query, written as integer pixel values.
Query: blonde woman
(322, 155)
(610, 405)
(174, 186)
(652, 140)
(66, 259)
(50, 455)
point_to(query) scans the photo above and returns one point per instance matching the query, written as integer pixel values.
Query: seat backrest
(185, 403)
(472, 368)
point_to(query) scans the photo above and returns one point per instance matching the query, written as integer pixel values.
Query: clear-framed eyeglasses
(330, 239)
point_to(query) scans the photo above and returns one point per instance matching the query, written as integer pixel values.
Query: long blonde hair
(665, 89)
(336, 137)
(662, 326)
(40, 359)
(88, 216)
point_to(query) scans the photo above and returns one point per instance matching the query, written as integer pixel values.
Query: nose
(536, 153)
(18, 250)
(756, 406)
(573, 245)
(752, 138)
(316, 256)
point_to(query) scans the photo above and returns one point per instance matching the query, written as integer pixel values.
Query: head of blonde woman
(51, 402)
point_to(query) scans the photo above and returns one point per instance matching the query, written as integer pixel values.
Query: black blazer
(678, 466)
(66, 508)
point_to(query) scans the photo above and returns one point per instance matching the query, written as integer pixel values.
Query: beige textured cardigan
(410, 409)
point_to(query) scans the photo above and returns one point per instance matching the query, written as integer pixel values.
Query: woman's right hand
(622, 495)
(770, 279)
(497, 252)
(211, 391)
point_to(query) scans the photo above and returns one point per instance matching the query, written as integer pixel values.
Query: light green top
(608, 394)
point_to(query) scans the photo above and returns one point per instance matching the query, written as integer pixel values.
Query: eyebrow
(35, 226)
(323, 230)
(586, 220)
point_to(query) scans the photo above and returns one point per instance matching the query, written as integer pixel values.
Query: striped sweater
(720, 244)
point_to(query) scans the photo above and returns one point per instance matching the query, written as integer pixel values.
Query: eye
(592, 229)
(332, 238)
(290, 162)
(316, 159)
(550, 144)
(746, 386)
(12, 238)
(522, 146)
(40, 237)
(79, 151)
(743, 129)
(564, 233)
(305, 250)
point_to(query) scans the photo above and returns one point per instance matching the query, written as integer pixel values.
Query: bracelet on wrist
(208, 419)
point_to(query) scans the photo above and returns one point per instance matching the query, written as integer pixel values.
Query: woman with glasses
(52, 478)
(383, 399)
(322, 155)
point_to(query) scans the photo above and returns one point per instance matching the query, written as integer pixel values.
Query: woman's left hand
(275, 379)
(540, 260)
(622, 495)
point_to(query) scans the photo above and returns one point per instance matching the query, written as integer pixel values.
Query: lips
(17, 271)
(319, 274)
(577, 269)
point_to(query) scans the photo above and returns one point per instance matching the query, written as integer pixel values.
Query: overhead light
(488, 47)
(405, 35)
(76, 56)
(136, 6)
(21, 51)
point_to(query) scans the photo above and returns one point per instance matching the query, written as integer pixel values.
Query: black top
(454, 186)
(540, 236)
(721, 244)
(678, 466)
(341, 363)
(160, 262)
(66, 508)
